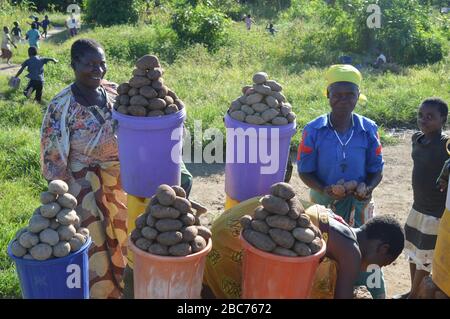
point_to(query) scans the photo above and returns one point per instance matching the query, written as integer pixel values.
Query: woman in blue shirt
(342, 145)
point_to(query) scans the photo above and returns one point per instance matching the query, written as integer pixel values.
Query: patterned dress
(78, 145)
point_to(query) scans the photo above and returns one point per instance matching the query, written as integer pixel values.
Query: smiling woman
(78, 145)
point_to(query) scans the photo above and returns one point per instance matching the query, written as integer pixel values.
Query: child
(45, 24)
(72, 24)
(36, 22)
(429, 154)
(16, 33)
(35, 66)
(248, 21)
(271, 29)
(33, 36)
(6, 48)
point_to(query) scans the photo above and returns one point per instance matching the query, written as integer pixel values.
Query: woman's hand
(328, 190)
(365, 196)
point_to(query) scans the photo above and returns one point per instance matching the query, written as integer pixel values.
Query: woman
(6, 48)
(342, 145)
(78, 145)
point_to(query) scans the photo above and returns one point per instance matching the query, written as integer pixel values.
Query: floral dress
(78, 145)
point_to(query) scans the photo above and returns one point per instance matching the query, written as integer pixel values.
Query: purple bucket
(256, 157)
(150, 151)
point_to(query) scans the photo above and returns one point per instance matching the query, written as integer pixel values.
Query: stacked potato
(343, 188)
(280, 225)
(145, 94)
(262, 104)
(54, 229)
(169, 227)
(361, 292)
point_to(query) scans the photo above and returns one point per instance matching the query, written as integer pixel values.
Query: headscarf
(345, 73)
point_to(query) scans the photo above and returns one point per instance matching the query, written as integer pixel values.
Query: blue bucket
(58, 278)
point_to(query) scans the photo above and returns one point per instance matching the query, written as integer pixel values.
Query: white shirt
(382, 58)
(72, 22)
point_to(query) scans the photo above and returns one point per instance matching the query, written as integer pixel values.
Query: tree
(110, 12)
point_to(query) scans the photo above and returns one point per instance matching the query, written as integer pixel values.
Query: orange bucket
(269, 276)
(162, 277)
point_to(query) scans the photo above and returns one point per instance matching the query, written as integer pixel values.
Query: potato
(260, 77)
(179, 103)
(139, 72)
(315, 245)
(47, 197)
(170, 238)
(284, 252)
(179, 191)
(260, 107)
(274, 85)
(28, 257)
(123, 88)
(262, 89)
(281, 222)
(245, 221)
(165, 195)
(204, 232)
(133, 92)
(61, 249)
(304, 221)
(77, 222)
(260, 213)
(198, 244)
(291, 117)
(236, 105)
(254, 98)
(158, 84)
(17, 249)
(169, 101)
(143, 243)
(197, 221)
(123, 109)
(181, 249)
(167, 224)
(188, 219)
(155, 74)
(274, 204)
(41, 251)
(245, 88)
(282, 237)
(155, 113)
(135, 234)
(338, 190)
(260, 225)
(19, 233)
(150, 221)
(189, 233)
(58, 187)
(259, 240)
(361, 190)
(158, 249)
(139, 81)
(54, 224)
(139, 100)
(282, 190)
(156, 104)
(269, 114)
(247, 109)
(77, 242)
(170, 109)
(350, 186)
(254, 119)
(65, 233)
(83, 231)
(66, 216)
(148, 233)
(38, 223)
(67, 201)
(183, 205)
(279, 96)
(124, 100)
(238, 115)
(172, 94)
(147, 62)
(137, 110)
(295, 208)
(280, 121)
(159, 211)
(243, 100)
(304, 235)
(302, 249)
(50, 210)
(140, 221)
(49, 236)
(286, 108)
(148, 92)
(162, 92)
(316, 230)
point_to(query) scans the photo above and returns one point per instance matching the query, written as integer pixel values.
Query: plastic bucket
(269, 276)
(162, 277)
(249, 172)
(58, 278)
(150, 151)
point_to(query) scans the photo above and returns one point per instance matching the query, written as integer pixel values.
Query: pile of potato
(262, 103)
(169, 227)
(54, 229)
(280, 225)
(343, 188)
(361, 292)
(145, 94)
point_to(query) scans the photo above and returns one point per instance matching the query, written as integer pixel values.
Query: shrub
(110, 12)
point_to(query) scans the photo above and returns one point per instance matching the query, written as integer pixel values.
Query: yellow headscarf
(345, 73)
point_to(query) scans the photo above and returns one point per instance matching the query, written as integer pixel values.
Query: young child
(45, 24)
(16, 32)
(6, 48)
(248, 21)
(35, 66)
(33, 36)
(429, 154)
(271, 29)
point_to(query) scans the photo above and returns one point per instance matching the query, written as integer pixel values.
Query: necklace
(343, 145)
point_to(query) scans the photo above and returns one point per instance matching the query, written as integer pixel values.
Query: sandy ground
(393, 196)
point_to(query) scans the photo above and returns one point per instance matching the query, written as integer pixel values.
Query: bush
(110, 12)
(60, 5)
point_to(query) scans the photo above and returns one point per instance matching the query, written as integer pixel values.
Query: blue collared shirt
(322, 153)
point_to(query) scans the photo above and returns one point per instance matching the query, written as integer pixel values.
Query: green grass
(207, 82)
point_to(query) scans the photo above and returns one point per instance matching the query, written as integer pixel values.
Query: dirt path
(393, 196)
(11, 70)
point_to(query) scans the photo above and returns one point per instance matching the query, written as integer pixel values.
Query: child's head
(6, 29)
(16, 24)
(46, 16)
(33, 26)
(32, 51)
(432, 115)
(385, 241)
(36, 19)
(249, 16)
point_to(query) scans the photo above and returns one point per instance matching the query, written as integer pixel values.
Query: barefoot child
(6, 48)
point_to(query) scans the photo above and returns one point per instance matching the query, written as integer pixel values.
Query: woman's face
(343, 97)
(90, 68)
